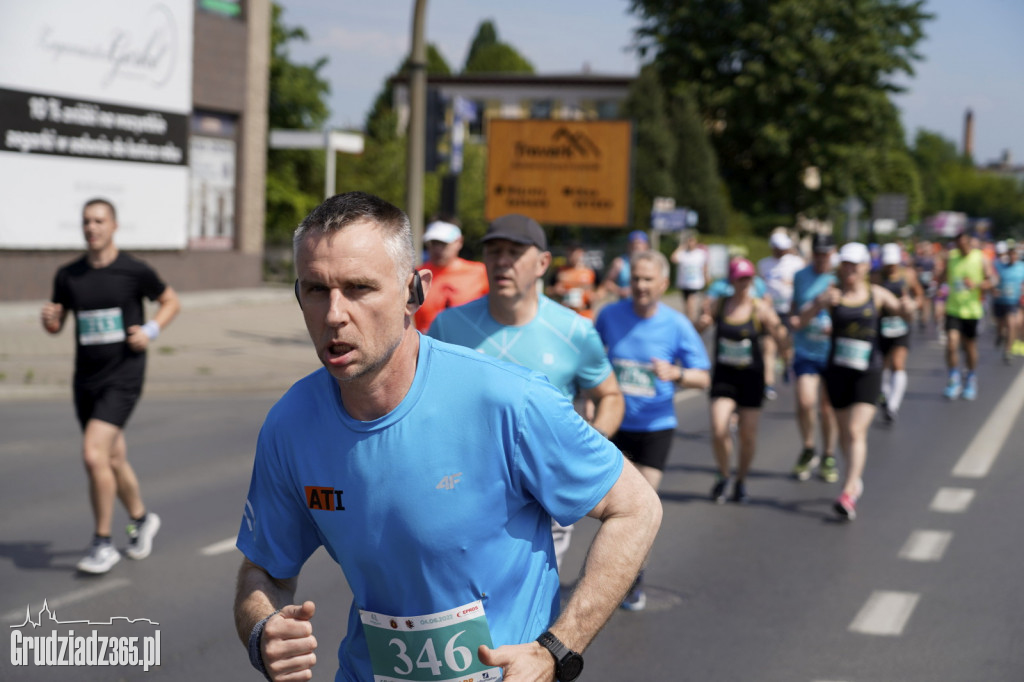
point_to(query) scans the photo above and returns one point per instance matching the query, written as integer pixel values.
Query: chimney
(969, 134)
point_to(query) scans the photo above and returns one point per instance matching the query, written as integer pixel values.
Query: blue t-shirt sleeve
(562, 461)
(277, 532)
(691, 352)
(594, 366)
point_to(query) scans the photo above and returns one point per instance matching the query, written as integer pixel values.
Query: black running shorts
(847, 386)
(967, 328)
(111, 404)
(649, 448)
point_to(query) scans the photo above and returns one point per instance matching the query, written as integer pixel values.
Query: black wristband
(255, 637)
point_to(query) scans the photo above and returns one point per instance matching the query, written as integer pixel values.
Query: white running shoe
(101, 558)
(140, 536)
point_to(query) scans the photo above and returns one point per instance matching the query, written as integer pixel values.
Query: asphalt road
(924, 586)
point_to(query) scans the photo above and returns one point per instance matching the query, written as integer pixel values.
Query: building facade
(159, 107)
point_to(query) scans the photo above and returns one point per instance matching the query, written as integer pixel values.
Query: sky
(973, 55)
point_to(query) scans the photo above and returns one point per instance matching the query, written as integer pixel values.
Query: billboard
(95, 99)
(560, 172)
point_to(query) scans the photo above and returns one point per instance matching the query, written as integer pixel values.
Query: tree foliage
(297, 100)
(488, 55)
(950, 182)
(654, 149)
(698, 184)
(787, 84)
(486, 36)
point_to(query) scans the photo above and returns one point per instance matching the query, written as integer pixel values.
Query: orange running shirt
(461, 282)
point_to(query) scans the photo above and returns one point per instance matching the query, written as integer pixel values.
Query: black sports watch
(568, 663)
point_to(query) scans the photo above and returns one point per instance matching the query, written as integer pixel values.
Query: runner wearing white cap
(778, 271)
(853, 376)
(894, 343)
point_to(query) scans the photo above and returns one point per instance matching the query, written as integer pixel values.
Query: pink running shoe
(846, 506)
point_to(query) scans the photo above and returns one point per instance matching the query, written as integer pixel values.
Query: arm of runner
(825, 300)
(609, 405)
(630, 514)
(52, 316)
(991, 278)
(685, 377)
(915, 287)
(139, 336)
(287, 645)
(887, 301)
(771, 322)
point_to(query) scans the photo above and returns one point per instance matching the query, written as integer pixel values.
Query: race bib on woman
(852, 353)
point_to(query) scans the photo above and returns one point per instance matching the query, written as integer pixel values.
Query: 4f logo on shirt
(448, 482)
(324, 499)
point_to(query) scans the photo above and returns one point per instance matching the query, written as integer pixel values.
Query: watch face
(572, 666)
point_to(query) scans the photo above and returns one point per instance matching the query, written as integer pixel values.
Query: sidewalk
(238, 340)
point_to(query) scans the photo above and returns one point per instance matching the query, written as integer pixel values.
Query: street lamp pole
(416, 137)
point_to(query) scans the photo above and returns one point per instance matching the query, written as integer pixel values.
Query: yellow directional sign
(560, 172)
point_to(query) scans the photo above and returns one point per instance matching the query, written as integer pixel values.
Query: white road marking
(63, 600)
(926, 545)
(222, 547)
(885, 613)
(979, 456)
(952, 500)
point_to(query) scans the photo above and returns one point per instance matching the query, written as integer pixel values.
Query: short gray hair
(656, 257)
(342, 210)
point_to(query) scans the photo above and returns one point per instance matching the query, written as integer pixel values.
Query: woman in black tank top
(737, 382)
(894, 330)
(853, 376)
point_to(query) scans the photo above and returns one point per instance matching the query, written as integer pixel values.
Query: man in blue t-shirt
(516, 323)
(654, 349)
(811, 346)
(430, 473)
(1006, 305)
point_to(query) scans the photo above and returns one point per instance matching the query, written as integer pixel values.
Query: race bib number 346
(439, 647)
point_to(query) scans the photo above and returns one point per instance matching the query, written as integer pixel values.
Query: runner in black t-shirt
(104, 288)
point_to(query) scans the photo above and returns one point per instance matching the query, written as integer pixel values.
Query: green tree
(698, 185)
(654, 150)
(937, 162)
(787, 84)
(297, 100)
(488, 55)
(486, 36)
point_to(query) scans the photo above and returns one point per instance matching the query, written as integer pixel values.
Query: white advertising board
(95, 100)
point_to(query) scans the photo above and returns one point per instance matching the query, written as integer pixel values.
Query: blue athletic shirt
(632, 341)
(445, 500)
(558, 342)
(722, 288)
(814, 341)
(1011, 280)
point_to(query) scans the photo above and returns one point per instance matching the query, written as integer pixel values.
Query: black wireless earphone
(416, 295)
(297, 293)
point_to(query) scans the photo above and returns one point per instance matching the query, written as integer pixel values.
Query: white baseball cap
(440, 231)
(781, 241)
(854, 252)
(892, 254)
(1002, 248)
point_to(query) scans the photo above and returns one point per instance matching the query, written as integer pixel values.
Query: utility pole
(416, 135)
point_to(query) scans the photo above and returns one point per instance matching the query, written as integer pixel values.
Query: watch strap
(554, 645)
